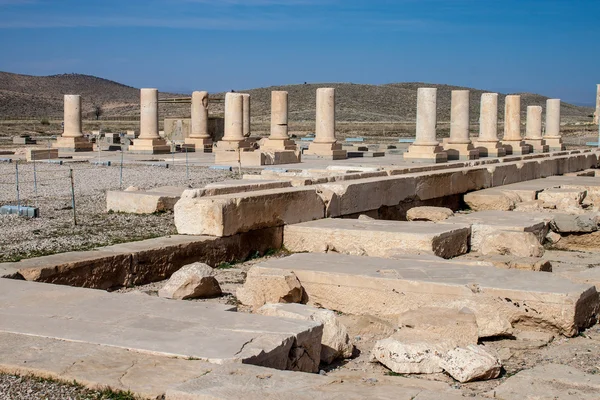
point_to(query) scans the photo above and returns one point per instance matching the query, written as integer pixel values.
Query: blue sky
(550, 47)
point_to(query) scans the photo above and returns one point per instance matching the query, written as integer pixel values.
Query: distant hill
(41, 96)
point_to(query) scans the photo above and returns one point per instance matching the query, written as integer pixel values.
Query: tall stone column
(233, 138)
(459, 146)
(533, 130)
(487, 143)
(246, 115)
(426, 148)
(325, 144)
(552, 136)
(279, 138)
(512, 141)
(149, 141)
(597, 113)
(72, 138)
(199, 139)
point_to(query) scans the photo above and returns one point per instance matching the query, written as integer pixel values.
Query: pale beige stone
(335, 342)
(597, 113)
(456, 325)
(552, 136)
(279, 140)
(459, 146)
(325, 144)
(193, 281)
(533, 135)
(512, 141)
(159, 199)
(472, 363)
(487, 143)
(491, 199)
(426, 213)
(265, 285)
(149, 140)
(246, 129)
(199, 138)
(519, 244)
(426, 147)
(72, 138)
(233, 139)
(563, 198)
(376, 238)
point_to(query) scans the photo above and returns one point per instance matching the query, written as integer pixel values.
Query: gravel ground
(54, 231)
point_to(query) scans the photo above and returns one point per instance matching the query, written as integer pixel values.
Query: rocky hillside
(41, 96)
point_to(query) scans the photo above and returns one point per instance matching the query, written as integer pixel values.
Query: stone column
(149, 141)
(233, 138)
(199, 139)
(487, 143)
(533, 130)
(512, 141)
(279, 138)
(246, 114)
(325, 144)
(459, 146)
(552, 136)
(72, 138)
(597, 113)
(426, 148)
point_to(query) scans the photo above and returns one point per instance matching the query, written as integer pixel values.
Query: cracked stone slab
(376, 238)
(500, 298)
(153, 325)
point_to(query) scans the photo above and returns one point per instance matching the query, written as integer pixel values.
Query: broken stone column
(552, 137)
(325, 144)
(279, 138)
(426, 148)
(246, 115)
(488, 143)
(199, 139)
(233, 139)
(512, 141)
(149, 141)
(459, 146)
(533, 130)
(72, 138)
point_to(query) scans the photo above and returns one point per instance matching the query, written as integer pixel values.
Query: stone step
(377, 238)
(500, 298)
(148, 324)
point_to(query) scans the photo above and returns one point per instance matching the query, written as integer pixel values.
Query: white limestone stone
(427, 213)
(519, 244)
(459, 146)
(426, 147)
(199, 137)
(325, 144)
(472, 363)
(72, 138)
(552, 136)
(149, 140)
(487, 143)
(246, 128)
(264, 285)
(512, 141)
(191, 281)
(533, 135)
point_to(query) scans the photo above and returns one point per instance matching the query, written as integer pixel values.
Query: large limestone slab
(500, 298)
(226, 215)
(154, 325)
(485, 223)
(143, 202)
(376, 238)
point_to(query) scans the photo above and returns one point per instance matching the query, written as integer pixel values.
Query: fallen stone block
(265, 285)
(485, 223)
(226, 215)
(472, 363)
(569, 223)
(143, 201)
(490, 199)
(511, 262)
(158, 326)
(191, 282)
(519, 244)
(335, 342)
(425, 213)
(500, 298)
(550, 381)
(563, 197)
(376, 237)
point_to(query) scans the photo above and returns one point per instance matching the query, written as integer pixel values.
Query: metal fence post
(73, 196)
(121, 171)
(17, 186)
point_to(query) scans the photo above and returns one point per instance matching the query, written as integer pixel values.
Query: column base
(232, 145)
(73, 144)
(231, 156)
(262, 157)
(554, 144)
(537, 145)
(461, 151)
(431, 154)
(330, 151)
(515, 147)
(149, 146)
(275, 144)
(490, 149)
(198, 145)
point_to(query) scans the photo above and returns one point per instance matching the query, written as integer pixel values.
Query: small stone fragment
(434, 214)
(191, 282)
(266, 285)
(520, 244)
(472, 363)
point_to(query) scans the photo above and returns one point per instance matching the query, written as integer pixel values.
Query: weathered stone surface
(376, 237)
(485, 223)
(191, 282)
(519, 244)
(500, 298)
(569, 223)
(472, 363)
(512, 262)
(158, 326)
(143, 202)
(563, 198)
(265, 285)
(551, 381)
(456, 325)
(142, 262)
(335, 342)
(429, 214)
(490, 199)
(226, 215)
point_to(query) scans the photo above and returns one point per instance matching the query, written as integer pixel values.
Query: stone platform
(501, 298)
(153, 325)
(376, 238)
